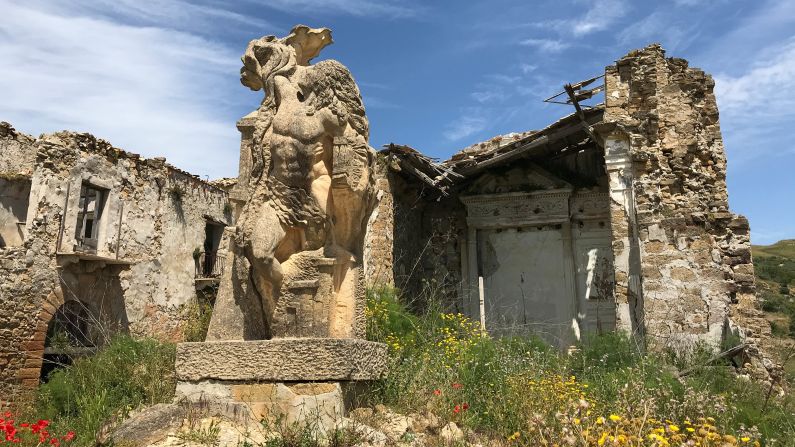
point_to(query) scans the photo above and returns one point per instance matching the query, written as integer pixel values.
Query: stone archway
(28, 376)
(70, 333)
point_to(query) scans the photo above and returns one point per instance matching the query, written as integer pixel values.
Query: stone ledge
(284, 359)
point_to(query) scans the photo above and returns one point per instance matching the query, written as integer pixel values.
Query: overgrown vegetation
(523, 392)
(125, 374)
(197, 314)
(514, 391)
(774, 266)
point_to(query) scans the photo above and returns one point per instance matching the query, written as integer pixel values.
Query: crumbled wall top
(64, 147)
(495, 151)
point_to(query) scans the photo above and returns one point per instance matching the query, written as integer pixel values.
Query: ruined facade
(95, 240)
(613, 217)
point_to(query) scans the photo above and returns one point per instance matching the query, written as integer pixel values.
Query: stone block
(290, 359)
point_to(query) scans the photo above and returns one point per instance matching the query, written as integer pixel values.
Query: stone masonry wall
(162, 211)
(17, 153)
(28, 279)
(694, 254)
(413, 243)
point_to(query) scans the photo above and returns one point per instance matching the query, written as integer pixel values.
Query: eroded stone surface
(298, 359)
(306, 193)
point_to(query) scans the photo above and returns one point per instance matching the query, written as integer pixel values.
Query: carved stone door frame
(557, 207)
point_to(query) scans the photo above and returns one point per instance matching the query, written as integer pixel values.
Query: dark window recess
(89, 215)
(210, 264)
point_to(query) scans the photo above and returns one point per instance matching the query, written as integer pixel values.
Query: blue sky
(161, 78)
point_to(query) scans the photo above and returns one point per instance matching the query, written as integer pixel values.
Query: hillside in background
(782, 249)
(775, 273)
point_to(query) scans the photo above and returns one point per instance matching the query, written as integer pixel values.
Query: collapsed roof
(569, 134)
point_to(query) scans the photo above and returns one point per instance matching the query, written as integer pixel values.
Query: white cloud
(146, 89)
(600, 15)
(758, 106)
(471, 122)
(180, 14)
(763, 90)
(503, 78)
(528, 68)
(360, 8)
(546, 45)
(489, 93)
(664, 26)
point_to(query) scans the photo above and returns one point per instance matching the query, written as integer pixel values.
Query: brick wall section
(695, 256)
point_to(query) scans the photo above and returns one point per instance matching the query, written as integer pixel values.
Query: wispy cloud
(359, 8)
(375, 102)
(147, 89)
(599, 16)
(663, 26)
(472, 121)
(489, 94)
(756, 105)
(194, 17)
(759, 90)
(546, 45)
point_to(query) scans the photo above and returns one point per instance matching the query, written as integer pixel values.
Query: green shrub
(197, 314)
(123, 375)
(524, 391)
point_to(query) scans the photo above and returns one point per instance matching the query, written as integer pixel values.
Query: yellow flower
(600, 420)
(673, 428)
(690, 429)
(602, 439)
(615, 417)
(745, 439)
(576, 421)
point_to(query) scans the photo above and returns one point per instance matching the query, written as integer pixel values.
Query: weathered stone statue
(286, 335)
(306, 173)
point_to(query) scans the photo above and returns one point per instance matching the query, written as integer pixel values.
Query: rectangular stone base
(282, 360)
(320, 405)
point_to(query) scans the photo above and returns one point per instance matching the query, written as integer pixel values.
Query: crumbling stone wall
(413, 242)
(29, 295)
(17, 151)
(154, 219)
(144, 268)
(670, 212)
(379, 236)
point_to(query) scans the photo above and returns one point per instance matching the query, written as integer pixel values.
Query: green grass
(774, 266)
(784, 249)
(127, 373)
(517, 385)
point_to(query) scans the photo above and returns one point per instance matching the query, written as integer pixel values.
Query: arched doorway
(70, 334)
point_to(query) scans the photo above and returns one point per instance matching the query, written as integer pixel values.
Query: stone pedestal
(290, 380)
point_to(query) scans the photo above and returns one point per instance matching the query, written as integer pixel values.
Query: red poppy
(69, 436)
(55, 442)
(437, 392)
(457, 386)
(465, 406)
(457, 409)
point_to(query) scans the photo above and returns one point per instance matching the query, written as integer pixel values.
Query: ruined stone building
(614, 217)
(95, 240)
